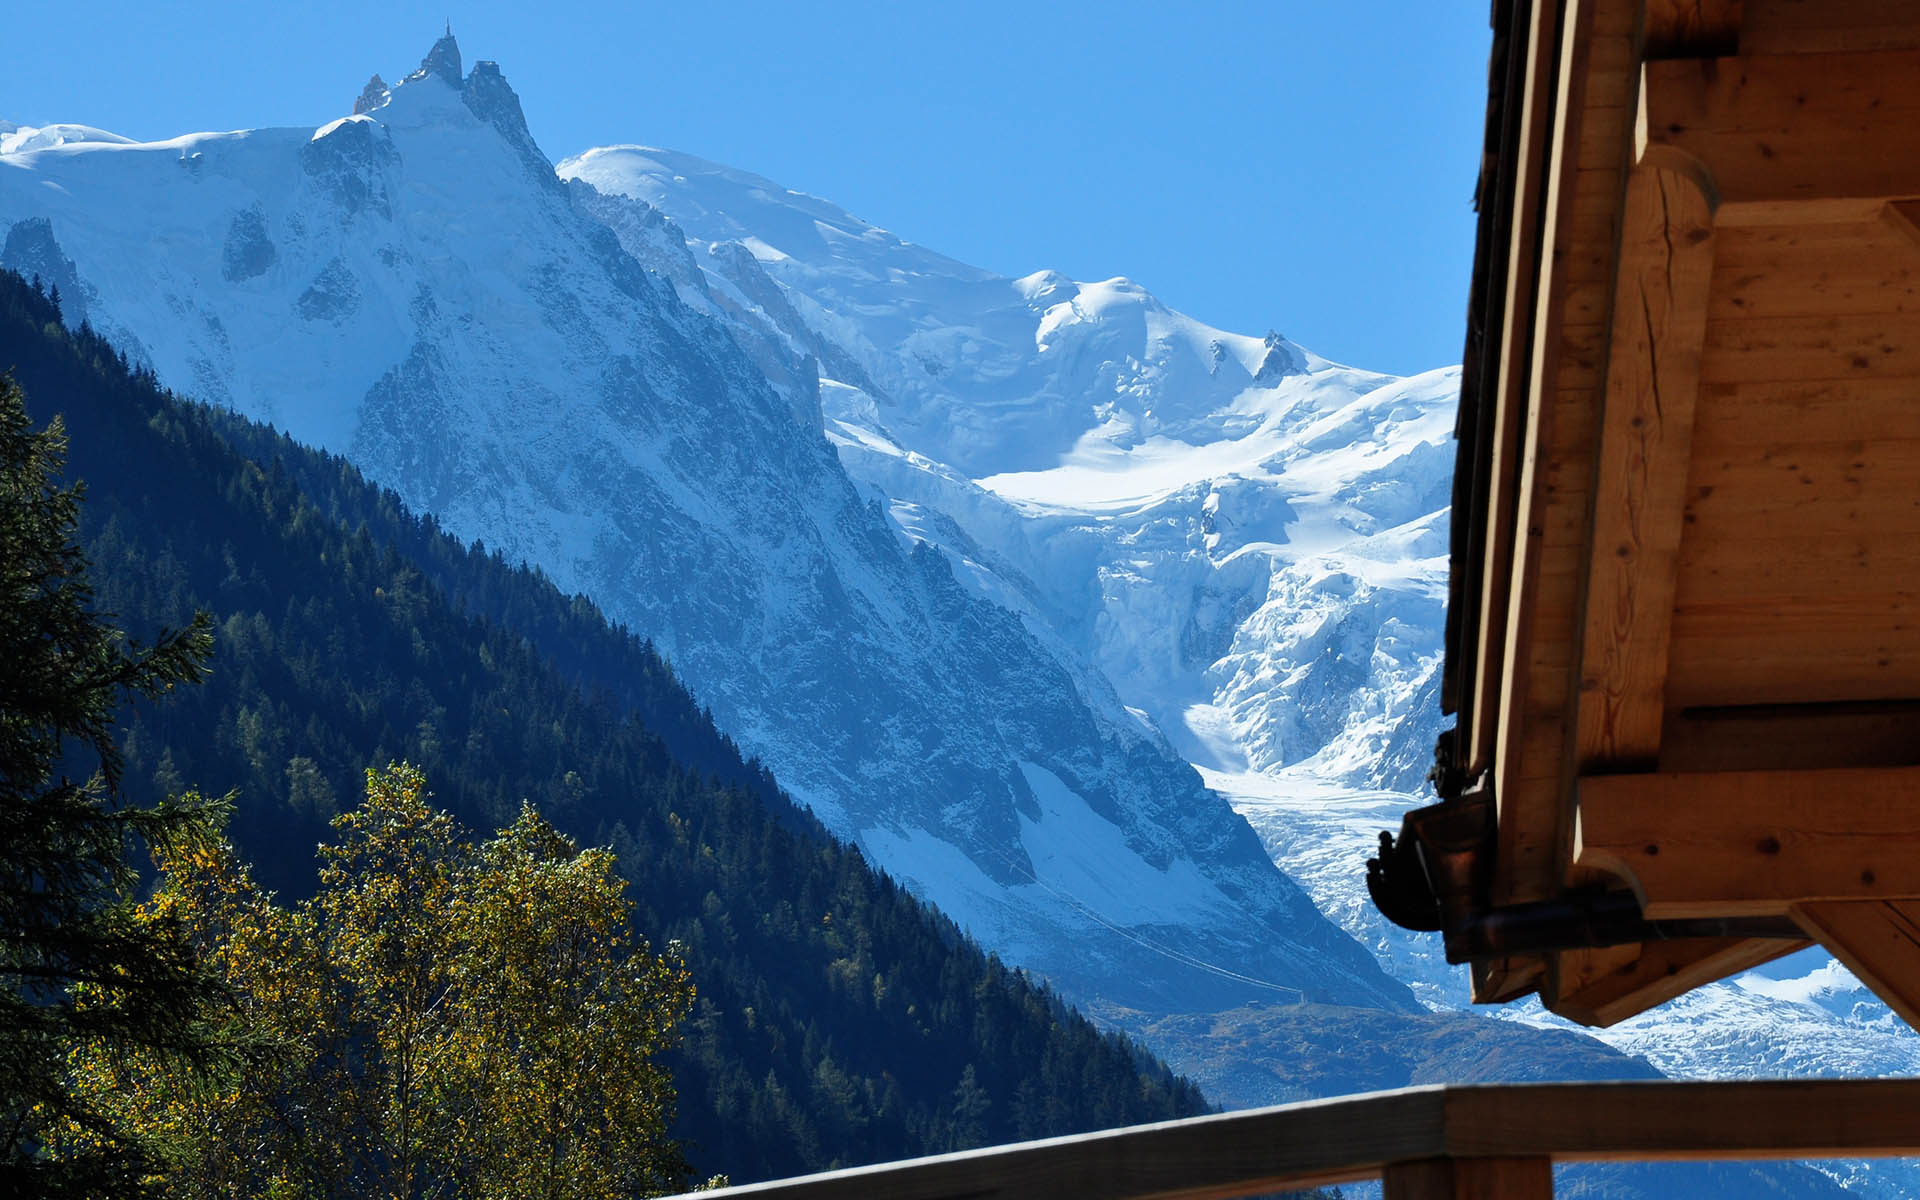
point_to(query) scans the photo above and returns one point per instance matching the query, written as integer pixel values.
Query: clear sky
(1269, 164)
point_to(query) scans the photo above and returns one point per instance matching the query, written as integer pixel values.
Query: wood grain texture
(1469, 1179)
(1604, 987)
(1733, 419)
(1653, 380)
(1598, 79)
(1789, 127)
(1753, 843)
(1823, 26)
(1358, 1137)
(1879, 941)
(1529, 248)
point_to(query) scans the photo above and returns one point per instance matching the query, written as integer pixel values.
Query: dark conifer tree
(78, 962)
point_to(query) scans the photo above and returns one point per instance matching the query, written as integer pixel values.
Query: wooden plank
(1530, 833)
(1784, 563)
(1810, 1118)
(1823, 26)
(1469, 1179)
(1791, 513)
(1856, 475)
(1788, 127)
(1775, 213)
(1536, 211)
(1755, 413)
(1802, 243)
(1355, 1137)
(1653, 377)
(1873, 275)
(1879, 941)
(1296, 1145)
(1753, 843)
(1601, 988)
(1792, 737)
(1772, 664)
(1812, 348)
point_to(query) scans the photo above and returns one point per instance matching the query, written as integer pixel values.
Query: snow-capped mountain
(979, 565)
(1245, 539)
(1248, 542)
(413, 286)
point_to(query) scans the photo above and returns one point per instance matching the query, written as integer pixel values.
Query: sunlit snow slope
(414, 287)
(1247, 540)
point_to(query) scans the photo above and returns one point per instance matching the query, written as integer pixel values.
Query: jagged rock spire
(443, 60)
(1280, 360)
(372, 96)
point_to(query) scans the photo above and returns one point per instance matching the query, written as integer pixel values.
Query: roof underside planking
(1684, 634)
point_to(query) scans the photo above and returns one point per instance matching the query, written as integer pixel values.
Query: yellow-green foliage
(440, 1020)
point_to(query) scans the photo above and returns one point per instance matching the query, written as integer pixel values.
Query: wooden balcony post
(1529, 1178)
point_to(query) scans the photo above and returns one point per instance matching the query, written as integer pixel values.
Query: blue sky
(1279, 165)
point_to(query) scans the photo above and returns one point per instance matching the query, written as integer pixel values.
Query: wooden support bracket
(1646, 438)
(1878, 940)
(1602, 987)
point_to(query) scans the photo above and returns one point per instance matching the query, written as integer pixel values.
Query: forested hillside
(838, 1020)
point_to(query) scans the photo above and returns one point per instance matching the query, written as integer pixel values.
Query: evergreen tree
(79, 963)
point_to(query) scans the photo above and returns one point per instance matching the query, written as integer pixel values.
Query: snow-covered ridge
(1246, 540)
(1157, 495)
(413, 286)
(973, 562)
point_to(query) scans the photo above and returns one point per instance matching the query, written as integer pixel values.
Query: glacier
(1113, 634)
(414, 287)
(1247, 540)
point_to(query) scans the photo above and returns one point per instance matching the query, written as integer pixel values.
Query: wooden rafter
(1754, 843)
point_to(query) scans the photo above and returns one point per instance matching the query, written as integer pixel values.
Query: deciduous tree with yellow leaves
(448, 1020)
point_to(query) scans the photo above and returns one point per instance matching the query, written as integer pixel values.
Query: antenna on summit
(449, 26)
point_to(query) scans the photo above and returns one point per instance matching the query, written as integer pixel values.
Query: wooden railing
(1485, 1142)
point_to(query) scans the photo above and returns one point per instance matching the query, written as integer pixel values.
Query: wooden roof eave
(1567, 65)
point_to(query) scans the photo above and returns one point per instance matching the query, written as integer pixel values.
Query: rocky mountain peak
(373, 96)
(442, 62)
(1280, 361)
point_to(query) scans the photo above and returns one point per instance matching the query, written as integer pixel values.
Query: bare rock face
(32, 250)
(372, 96)
(442, 62)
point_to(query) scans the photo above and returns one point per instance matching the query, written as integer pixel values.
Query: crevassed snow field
(1247, 540)
(986, 568)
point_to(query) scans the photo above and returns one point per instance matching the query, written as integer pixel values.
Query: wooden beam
(1878, 940)
(1753, 843)
(1539, 195)
(1469, 1179)
(1605, 987)
(1653, 379)
(1362, 1137)
(1822, 26)
(1767, 129)
(1692, 28)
